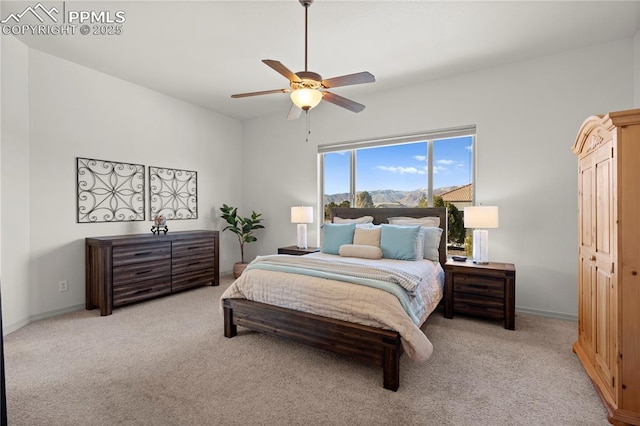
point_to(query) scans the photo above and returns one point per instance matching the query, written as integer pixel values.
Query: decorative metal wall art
(173, 193)
(109, 191)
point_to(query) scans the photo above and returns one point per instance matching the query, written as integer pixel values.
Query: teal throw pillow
(399, 242)
(336, 234)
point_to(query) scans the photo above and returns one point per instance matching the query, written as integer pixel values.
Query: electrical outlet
(63, 285)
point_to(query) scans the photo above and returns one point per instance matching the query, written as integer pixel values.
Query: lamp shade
(306, 98)
(301, 214)
(481, 217)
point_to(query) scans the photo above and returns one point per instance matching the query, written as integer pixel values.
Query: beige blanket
(346, 301)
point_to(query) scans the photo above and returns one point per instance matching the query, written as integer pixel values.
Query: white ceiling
(204, 51)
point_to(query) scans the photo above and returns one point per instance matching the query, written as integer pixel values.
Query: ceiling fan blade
(342, 102)
(346, 80)
(294, 112)
(290, 75)
(264, 92)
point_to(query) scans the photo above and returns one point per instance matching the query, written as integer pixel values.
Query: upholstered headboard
(380, 215)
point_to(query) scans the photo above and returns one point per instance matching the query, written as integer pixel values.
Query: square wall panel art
(173, 193)
(108, 191)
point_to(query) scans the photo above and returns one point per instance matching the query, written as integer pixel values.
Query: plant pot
(238, 269)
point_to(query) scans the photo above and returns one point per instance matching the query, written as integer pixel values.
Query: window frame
(427, 136)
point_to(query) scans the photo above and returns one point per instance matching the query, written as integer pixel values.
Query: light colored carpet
(166, 362)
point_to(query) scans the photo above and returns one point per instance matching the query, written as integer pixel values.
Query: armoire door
(602, 257)
(586, 283)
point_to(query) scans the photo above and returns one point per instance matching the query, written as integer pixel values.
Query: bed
(378, 345)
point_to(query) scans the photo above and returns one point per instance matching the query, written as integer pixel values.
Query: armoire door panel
(603, 201)
(586, 319)
(605, 327)
(585, 183)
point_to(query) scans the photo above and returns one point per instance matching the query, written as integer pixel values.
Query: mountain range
(386, 196)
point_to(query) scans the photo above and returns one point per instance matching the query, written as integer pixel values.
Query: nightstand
(484, 290)
(297, 251)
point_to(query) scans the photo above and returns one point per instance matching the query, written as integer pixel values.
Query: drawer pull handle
(593, 257)
(144, 272)
(146, 253)
(193, 263)
(146, 290)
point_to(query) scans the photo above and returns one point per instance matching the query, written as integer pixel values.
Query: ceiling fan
(307, 88)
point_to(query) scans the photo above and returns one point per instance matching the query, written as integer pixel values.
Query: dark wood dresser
(124, 269)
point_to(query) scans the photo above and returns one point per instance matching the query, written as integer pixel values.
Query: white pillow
(424, 221)
(364, 252)
(367, 236)
(431, 235)
(362, 219)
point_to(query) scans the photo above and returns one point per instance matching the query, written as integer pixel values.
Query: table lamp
(480, 218)
(302, 215)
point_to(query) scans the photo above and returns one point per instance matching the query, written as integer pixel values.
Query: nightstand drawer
(478, 305)
(481, 285)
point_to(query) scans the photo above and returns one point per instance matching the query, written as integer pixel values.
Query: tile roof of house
(462, 193)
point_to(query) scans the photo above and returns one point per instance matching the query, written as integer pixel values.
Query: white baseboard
(10, 328)
(548, 314)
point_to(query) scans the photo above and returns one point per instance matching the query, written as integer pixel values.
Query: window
(421, 170)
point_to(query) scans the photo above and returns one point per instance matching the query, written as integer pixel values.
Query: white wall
(14, 149)
(78, 112)
(527, 116)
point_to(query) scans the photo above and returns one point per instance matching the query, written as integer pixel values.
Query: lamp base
(480, 246)
(302, 236)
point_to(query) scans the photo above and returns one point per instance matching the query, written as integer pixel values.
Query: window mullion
(430, 173)
(352, 177)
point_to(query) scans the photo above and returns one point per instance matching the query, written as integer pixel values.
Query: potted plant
(243, 227)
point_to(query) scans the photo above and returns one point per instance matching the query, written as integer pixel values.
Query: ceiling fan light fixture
(306, 99)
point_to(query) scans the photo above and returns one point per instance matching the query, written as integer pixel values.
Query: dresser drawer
(196, 262)
(193, 279)
(136, 272)
(478, 305)
(480, 285)
(135, 292)
(200, 246)
(124, 255)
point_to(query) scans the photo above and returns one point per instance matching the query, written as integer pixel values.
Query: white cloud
(469, 148)
(420, 157)
(402, 170)
(444, 163)
(447, 162)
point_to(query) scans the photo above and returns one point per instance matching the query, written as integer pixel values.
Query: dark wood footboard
(375, 346)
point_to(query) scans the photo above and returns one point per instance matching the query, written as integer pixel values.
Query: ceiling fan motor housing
(308, 80)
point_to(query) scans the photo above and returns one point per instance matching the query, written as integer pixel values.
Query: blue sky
(402, 167)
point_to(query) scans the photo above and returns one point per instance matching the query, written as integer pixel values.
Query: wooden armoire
(608, 345)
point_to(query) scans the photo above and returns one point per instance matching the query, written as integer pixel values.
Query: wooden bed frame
(371, 345)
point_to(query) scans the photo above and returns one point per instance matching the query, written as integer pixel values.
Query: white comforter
(348, 302)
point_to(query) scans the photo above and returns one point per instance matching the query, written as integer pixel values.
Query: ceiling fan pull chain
(308, 125)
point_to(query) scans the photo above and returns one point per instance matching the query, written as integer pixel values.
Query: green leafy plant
(243, 227)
